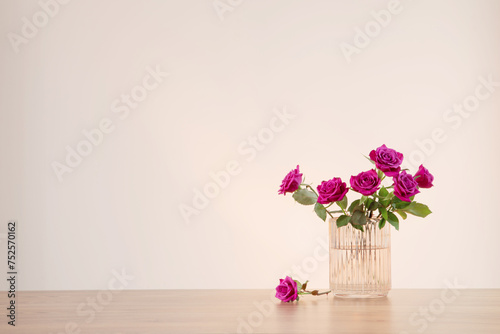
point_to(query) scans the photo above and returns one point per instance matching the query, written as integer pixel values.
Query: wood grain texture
(252, 311)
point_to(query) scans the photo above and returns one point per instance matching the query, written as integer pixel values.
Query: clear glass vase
(360, 262)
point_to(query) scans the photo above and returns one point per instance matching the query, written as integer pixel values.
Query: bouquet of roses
(377, 201)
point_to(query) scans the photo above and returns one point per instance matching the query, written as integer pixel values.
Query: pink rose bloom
(405, 186)
(387, 160)
(424, 178)
(287, 290)
(330, 191)
(366, 183)
(291, 182)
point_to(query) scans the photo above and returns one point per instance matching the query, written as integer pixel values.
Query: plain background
(119, 209)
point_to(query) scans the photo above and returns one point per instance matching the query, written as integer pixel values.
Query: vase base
(357, 295)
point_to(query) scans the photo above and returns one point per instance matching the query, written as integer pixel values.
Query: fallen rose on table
(289, 290)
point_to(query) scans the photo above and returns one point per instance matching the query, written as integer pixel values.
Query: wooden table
(251, 311)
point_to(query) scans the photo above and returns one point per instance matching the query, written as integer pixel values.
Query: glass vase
(360, 262)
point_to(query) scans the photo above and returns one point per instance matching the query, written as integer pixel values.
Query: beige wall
(206, 81)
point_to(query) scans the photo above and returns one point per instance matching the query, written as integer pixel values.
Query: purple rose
(332, 191)
(424, 178)
(387, 160)
(291, 182)
(366, 183)
(405, 186)
(287, 290)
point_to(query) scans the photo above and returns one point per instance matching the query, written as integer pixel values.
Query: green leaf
(383, 212)
(373, 162)
(385, 202)
(358, 218)
(320, 211)
(381, 223)
(343, 220)
(373, 206)
(358, 227)
(402, 214)
(401, 204)
(418, 209)
(305, 197)
(393, 220)
(380, 174)
(299, 285)
(368, 202)
(363, 199)
(383, 192)
(359, 208)
(353, 205)
(343, 203)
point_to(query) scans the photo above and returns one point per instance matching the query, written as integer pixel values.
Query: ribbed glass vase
(360, 262)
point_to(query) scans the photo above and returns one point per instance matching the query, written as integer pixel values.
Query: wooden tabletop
(251, 311)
